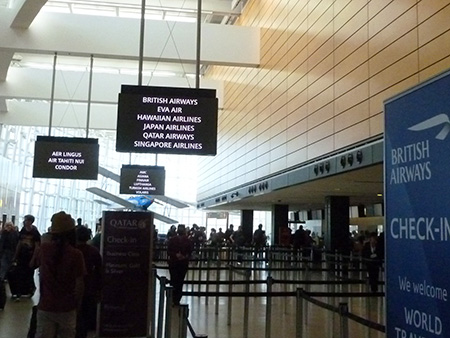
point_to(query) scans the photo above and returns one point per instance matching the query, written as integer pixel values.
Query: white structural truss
(102, 37)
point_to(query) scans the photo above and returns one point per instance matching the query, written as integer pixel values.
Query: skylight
(119, 10)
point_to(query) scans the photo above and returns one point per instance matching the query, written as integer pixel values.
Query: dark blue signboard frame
(126, 249)
(417, 227)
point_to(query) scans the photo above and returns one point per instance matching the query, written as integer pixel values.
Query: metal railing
(162, 321)
(284, 268)
(342, 310)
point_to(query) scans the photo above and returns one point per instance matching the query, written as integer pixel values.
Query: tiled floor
(15, 318)
(224, 321)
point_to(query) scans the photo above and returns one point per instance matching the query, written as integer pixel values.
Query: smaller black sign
(66, 157)
(142, 180)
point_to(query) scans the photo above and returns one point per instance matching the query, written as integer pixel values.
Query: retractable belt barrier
(240, 270)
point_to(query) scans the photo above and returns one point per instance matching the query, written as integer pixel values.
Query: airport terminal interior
(299, 94)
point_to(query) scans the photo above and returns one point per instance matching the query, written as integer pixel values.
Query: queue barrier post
(381, 311)
(162, 291)
(361, 271)
(191, 272)
(217, 286)
(299, 314)
(330, 315)
(368, 306)
(208, 271)
(153, 311)
(343, 311)
(285, 277)
(230, 290)
(246, 301)
(269, 307)
(168, 323)
(200, 268)
(183, 315)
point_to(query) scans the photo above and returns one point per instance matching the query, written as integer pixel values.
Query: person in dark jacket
(87, 315)
(372, 255)
(9, 238)
(179, 250)
(21, 281)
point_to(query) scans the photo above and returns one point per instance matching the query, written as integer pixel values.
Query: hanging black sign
(66, 157)
(167, 120)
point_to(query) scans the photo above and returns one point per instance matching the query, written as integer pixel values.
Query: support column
(337, 223)
(280, 226)
(247, 224)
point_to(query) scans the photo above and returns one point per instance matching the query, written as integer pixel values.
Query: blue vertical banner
(417, 204)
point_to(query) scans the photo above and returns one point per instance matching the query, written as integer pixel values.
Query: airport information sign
(167, 120)
(126, 250)
(142, 180)
(417, 226)
(66, 158)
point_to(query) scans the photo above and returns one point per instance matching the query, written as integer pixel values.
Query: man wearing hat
(61, 280)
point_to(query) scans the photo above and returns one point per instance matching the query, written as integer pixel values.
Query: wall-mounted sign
(167, 120)
(142, 180)
(417, 166)
(66, 157)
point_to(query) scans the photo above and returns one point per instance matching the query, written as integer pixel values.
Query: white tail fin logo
(441, 119)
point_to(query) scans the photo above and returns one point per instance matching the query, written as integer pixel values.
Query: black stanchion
(343, 315)
(282, 261)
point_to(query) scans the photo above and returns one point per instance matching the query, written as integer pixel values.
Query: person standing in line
(22, 280)
(238, 240)
(87, 316)
(171, 233)
(62, 270)
(372, 258)
(228, 234)
(259, 237)
(179, 250)
(220, 237)
(96, 241)
(259, 240)
(8, 243)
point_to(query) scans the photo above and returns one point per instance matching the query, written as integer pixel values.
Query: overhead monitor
(142, 180)
(66, 157)
(167, 120)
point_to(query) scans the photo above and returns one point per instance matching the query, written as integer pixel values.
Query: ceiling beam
(5, 60)
(118, 38)
(27, 12)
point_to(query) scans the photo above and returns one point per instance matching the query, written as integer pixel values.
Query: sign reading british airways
(167, 120)
(417, 186)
